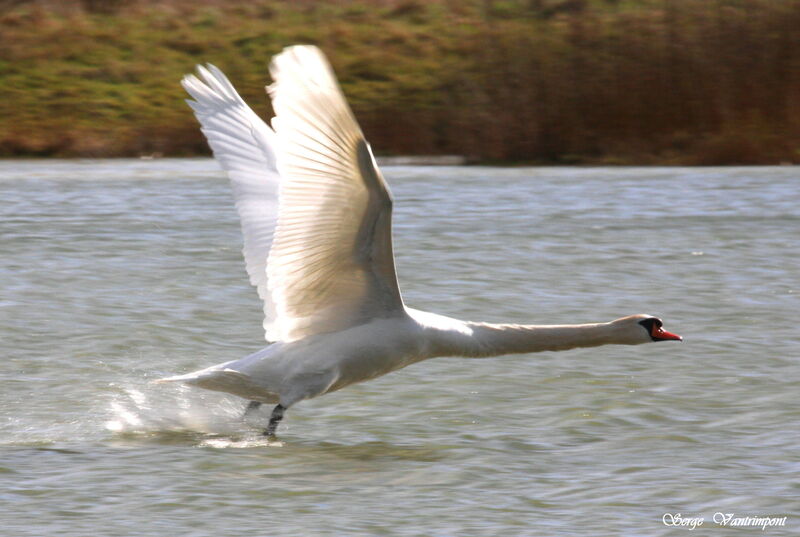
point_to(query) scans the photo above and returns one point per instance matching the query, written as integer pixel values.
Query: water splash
(150, 409)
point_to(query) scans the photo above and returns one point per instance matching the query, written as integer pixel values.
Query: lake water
(117, 272)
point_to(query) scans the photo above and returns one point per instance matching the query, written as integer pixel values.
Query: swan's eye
(651, 323)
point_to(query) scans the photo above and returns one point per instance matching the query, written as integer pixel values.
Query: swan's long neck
(489, 339)
(450, 337)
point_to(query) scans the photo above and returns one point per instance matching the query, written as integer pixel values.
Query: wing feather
(245, 148)
(315, 209)
(331, 265)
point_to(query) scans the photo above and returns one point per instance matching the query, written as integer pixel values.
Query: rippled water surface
(114, 273)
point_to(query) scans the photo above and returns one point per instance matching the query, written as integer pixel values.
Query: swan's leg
(274, 420)
(252, 407)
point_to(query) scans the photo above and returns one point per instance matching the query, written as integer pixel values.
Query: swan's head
(644, 329)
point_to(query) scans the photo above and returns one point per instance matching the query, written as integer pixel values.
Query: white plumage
(316, 221)
(245, 148)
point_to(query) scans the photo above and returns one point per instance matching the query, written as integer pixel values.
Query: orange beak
(659, 334)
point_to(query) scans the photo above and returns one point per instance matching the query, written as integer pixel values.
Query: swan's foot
(274, 420)
(252, 407)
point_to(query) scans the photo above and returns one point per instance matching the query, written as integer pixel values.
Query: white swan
(316, 219)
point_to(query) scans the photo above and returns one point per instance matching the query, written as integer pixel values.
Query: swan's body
(316, 220)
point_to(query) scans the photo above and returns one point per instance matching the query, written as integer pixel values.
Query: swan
(315, 214)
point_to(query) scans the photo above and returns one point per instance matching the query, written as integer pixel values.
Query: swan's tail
(223, 379)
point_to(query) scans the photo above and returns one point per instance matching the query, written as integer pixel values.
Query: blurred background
(519, 81)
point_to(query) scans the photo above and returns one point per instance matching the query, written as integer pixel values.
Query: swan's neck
(451, 337)
(496, 339)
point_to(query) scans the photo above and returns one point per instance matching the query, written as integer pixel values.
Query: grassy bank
(555, 81)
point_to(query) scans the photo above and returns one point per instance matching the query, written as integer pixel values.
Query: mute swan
(316, 219)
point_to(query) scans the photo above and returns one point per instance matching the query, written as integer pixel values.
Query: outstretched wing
(315, 210)
(331, 265)
(245, 147)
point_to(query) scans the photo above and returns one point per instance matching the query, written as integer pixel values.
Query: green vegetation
(548, 81)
